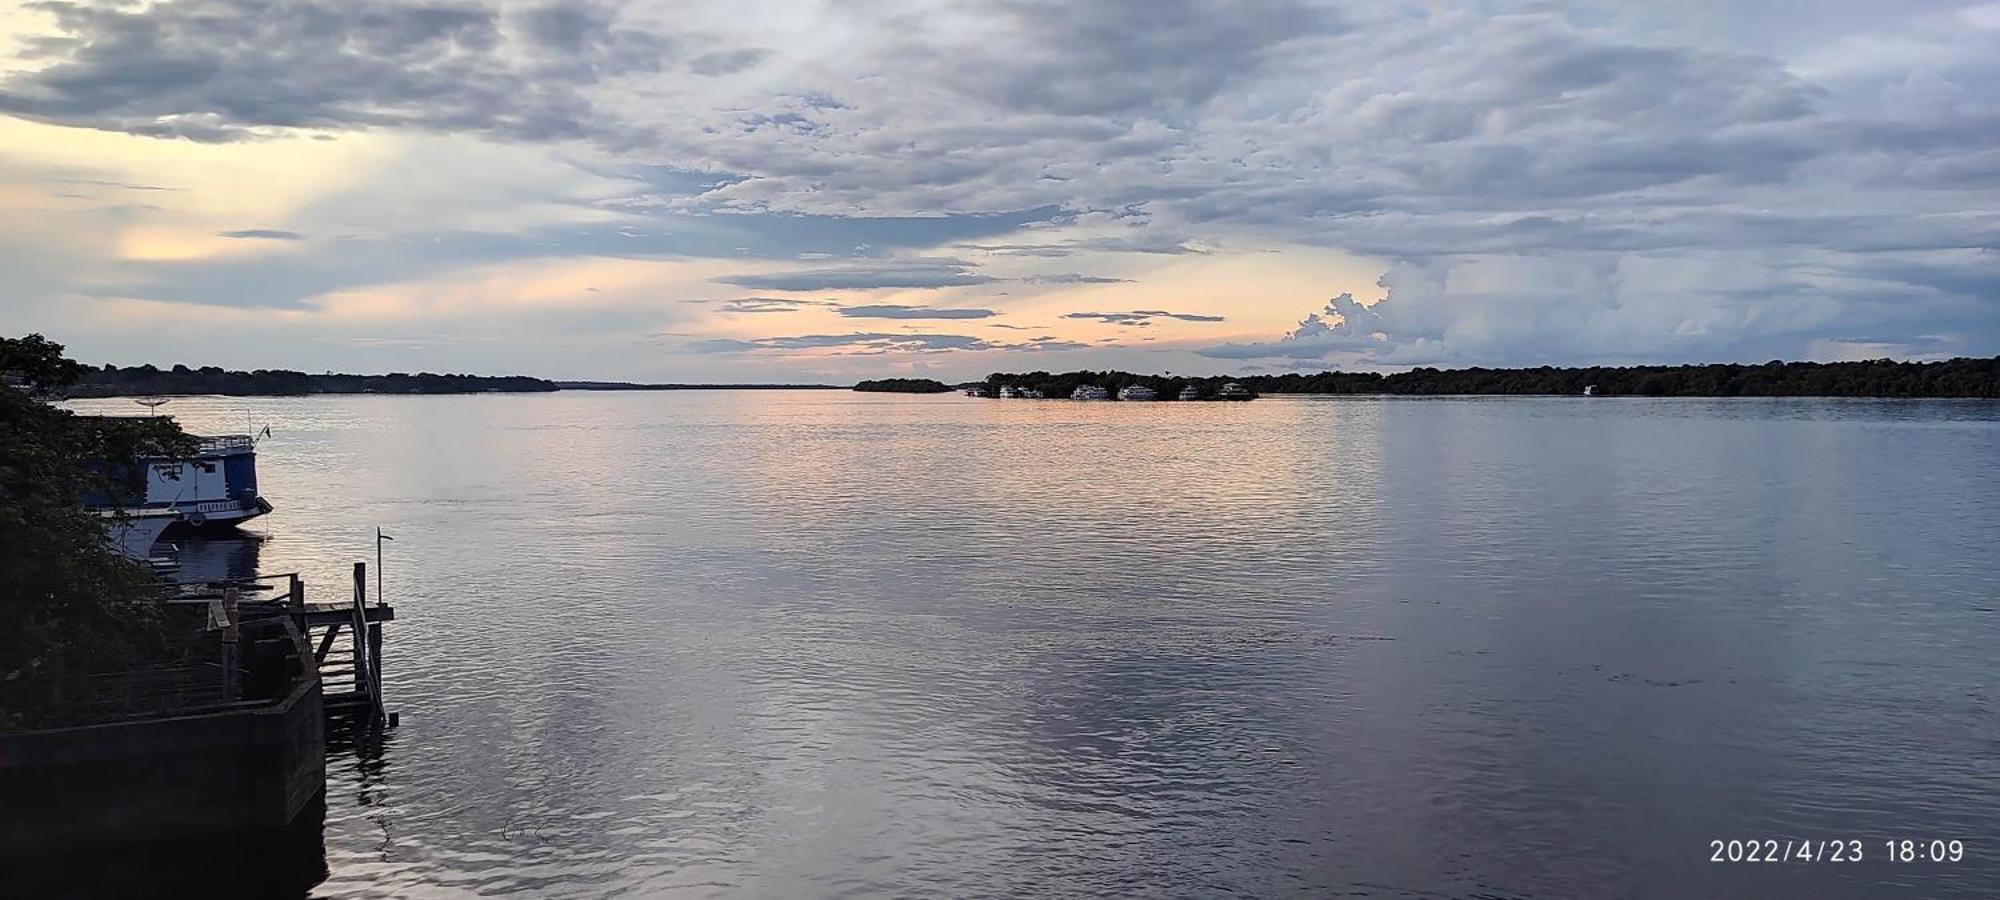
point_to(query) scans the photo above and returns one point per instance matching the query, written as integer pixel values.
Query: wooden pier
(345, 639)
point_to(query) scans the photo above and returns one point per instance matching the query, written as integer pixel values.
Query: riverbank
(1963, 377)
(147, 380)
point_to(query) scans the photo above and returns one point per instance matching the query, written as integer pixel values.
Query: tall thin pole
(378, 566)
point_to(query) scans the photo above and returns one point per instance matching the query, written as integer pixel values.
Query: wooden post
(358, 627)
(232, 678)
(367, 643)
(375, 672)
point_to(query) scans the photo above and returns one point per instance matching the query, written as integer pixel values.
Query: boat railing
(225, 442)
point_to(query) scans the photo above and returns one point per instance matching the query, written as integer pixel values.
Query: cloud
(1571, 182)
(225, 70)
(904, 273)
(1160, 246)
(269, 234)
(1074, 279)
(880, 343)
(728, 62)
(855, 343)
(1141, 316)
(894, 311)
(766, 305)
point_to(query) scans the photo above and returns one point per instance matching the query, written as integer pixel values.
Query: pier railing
(350, 676)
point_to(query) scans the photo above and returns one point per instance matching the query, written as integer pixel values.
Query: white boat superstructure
(1090, 392)
(1136, 392)
(1190, 393)
(216, 485)
(1234, 391)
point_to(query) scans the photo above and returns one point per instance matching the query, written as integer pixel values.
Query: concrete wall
(142, 781)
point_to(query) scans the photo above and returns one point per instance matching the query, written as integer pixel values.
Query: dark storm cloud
(1141, 316)
(895, 311)
(1121, 56)
(927, 272)
(268, 234)
(220, 70)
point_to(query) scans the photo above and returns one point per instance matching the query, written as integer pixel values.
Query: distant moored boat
(1136, 392)
(1090, 392)
(1190, 393)
(1234, 391)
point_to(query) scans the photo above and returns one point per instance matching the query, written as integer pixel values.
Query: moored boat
(1190, 393)
(1136, 392)
(1234, 391)
(216, 486)
(1090, 392)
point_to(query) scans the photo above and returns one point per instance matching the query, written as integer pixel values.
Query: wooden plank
(319, 656)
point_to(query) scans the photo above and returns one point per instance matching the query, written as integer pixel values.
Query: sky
(785, 191)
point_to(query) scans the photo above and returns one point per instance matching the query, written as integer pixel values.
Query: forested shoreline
(139, 381)
(1963, 377)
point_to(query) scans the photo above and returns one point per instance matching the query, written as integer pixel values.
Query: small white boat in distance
(1136, 392)
(1190, 393)
(1031, 393)
(1234, 391)
(1590, 390)
(1007, 392)
(1090, 392)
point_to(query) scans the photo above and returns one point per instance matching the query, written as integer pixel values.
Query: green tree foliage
(112, 381)
(69, 603)
(1877, 378)
(904, 386)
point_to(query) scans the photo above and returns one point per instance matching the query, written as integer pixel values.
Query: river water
(806, 643)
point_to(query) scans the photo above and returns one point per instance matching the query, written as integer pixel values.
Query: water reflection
(811, 643)
(199, 559)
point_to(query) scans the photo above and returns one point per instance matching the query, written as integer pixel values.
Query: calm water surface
(822, 643)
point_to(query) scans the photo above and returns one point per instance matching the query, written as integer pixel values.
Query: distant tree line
(1963, 377)
(112, 381)
(904, 386)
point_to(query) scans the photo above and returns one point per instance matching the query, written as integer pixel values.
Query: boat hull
(216, 515)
